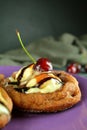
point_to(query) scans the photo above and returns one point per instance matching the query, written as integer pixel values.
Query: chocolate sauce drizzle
(4, 105)
(24, 89)
(22, 72)
(42, 81)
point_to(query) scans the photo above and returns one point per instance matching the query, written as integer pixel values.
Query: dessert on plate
(6, 106)
(39, 88)
(43, 91)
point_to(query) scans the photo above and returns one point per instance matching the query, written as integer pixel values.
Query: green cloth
(59, 50)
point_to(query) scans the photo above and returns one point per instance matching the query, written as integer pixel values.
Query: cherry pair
(76, 68)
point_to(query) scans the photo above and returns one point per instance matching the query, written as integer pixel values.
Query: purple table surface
(74, 118)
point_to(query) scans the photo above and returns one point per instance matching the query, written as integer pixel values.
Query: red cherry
(43, 64)
(74, 68)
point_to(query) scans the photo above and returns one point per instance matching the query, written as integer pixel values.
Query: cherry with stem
(27, 52)
(42, 64)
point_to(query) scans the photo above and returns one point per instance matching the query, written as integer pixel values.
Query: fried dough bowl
(6, 106)
(62, 99)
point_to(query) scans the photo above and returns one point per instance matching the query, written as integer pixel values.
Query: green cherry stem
(26, 51)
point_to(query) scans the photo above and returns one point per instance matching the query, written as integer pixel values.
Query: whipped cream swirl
(36, 81)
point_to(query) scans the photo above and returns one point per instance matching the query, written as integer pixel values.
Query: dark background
(40, 18)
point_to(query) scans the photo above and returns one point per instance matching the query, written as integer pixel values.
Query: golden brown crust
(5, 99)
(7, 102)
(4, 119)
(62, 99)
